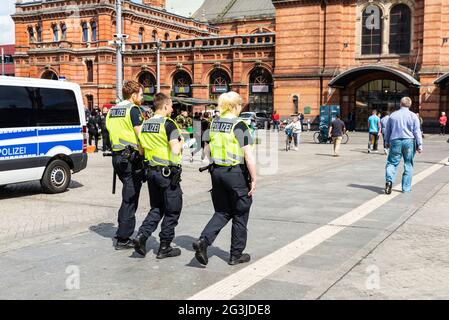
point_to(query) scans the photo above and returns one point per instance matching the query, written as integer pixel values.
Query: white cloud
(6, 30)
(180, 7)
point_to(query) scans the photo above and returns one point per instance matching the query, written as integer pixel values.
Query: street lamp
(158, 64)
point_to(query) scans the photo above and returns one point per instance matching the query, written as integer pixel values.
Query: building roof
(219, 10)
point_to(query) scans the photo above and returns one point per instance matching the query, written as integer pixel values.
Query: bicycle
(289, 139)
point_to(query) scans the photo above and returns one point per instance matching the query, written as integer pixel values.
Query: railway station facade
(285, 55)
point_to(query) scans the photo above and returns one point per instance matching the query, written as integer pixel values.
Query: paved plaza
(320, 228)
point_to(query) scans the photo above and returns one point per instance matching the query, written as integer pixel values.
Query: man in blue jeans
(375, 130)
(403, 137)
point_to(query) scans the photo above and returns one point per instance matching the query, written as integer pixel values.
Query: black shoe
(124, 244)
(388, 187)
(166, 251)
(200, 248)
(140, 244)
(244, 258)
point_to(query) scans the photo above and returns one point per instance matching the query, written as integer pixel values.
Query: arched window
(93, 26)
(31, 37)
(154, 36)
(261, 90)
(148, 81)
(85, 32)
(372, 30)
(178, 37)
(167, 37)
(55, 33)
(39, 33)
(49, 75)
(181, 84)
(63, 31)
(219, 83)
(90, 71)
(400, 29)
(141, 35)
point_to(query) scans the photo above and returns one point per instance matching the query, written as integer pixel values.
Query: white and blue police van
(42, 132)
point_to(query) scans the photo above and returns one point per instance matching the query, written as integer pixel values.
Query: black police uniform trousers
(130, 175)
(166, 205)
(231, 201)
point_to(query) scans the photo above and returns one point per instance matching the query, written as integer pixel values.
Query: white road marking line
(240, 281)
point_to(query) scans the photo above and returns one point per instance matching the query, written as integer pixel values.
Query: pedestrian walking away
(336, 132)
(124, 124)
(233, 173)
(403, 137)
(374, 128)
(162, 141)
(383, 124)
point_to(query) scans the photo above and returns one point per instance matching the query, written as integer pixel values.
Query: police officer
(124, 123)
(162, 141)
(230, 148)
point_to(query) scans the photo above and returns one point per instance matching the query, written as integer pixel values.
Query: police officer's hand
(253, 189)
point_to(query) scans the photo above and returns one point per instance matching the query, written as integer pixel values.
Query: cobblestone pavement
(396, 251)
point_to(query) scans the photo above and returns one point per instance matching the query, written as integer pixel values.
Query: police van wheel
(56, 177)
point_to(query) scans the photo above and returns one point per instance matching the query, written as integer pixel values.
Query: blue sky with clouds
(181, 7)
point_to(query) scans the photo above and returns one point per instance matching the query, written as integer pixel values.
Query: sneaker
(244, 258)
(296, 149)
(369, 150)
(447, 164)
(200, 248)
(388, 187)
(124, 244)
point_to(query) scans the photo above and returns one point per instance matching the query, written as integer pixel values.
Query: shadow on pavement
(25, 189)
(106, 230)
(185, 242)
(375, 189)
(324, 154)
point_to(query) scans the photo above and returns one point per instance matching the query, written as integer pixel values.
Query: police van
(42, 132)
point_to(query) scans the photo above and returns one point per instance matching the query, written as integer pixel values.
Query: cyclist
(295, 128)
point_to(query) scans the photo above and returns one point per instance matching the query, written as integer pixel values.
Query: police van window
(56, 107)
(16, 107)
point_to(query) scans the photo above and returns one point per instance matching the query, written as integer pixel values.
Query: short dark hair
(159, 100)
(338, 116)
(131, 87)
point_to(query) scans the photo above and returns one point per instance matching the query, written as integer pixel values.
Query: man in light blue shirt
(374, 131)
(403, 137)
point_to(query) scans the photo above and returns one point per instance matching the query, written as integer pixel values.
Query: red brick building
(293, 55)
(8, 51)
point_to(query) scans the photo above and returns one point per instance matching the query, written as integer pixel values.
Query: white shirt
(296, 127)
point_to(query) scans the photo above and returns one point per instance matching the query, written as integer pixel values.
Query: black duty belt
(166, 171)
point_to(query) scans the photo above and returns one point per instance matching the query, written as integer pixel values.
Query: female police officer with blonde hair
(233, 172)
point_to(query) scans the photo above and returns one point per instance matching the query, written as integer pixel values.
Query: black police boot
(388, 187)
(200, 248)
(140, 244)
(124, 244)
(244, 258)
(166, 251)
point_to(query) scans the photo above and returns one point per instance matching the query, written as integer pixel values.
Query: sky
(181, 7)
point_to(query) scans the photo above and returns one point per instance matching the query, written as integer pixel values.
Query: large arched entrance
(50, 75)
(261, 91)
(368, 88)
(148, 81)
(219, 83)
(182, 84)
